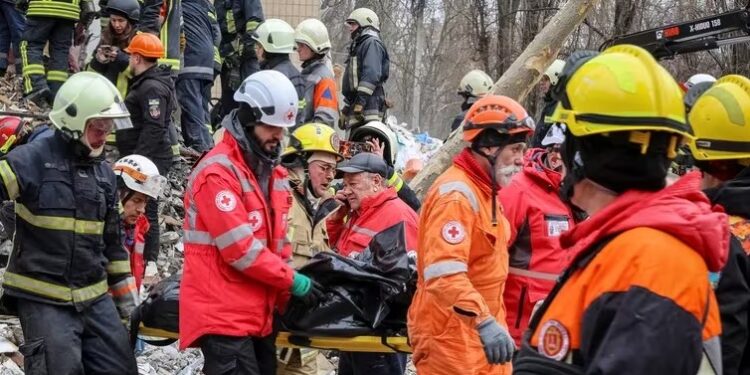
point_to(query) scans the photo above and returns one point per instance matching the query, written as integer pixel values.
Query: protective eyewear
(153, 184)
(510, 125)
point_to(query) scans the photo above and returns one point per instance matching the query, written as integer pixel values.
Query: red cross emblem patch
(453, 232)
(226, 201)
(255, 219)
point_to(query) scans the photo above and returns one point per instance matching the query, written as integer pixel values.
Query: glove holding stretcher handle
(498, 345)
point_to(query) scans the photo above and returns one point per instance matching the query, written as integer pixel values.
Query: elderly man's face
(358, 186)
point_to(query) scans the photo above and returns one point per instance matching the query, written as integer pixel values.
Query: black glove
(88, 12)
(22, 5)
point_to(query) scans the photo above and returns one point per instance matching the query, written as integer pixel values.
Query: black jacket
(67, 248)
(733, 289)
(282, 64)
(150, 102)
(367, 69)
(464, 108)
(541, 126)
(247, 15)
(202, 40)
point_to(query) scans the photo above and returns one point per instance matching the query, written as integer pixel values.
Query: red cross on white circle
(225, 200)
(255, 219)
(453, 232)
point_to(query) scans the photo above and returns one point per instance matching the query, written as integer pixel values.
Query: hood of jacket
(160, 73)
(535, 169)
(733, 195)
(681, 210)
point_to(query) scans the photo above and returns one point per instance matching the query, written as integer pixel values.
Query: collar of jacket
(467, 162)
(681, 210)
(310, 65)
(468, 102)
(273, 60)
(536, 169)
(157, 72)
(733, 195)
(365, 33)
(373, 202)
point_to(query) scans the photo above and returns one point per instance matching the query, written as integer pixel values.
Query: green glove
(301, 285)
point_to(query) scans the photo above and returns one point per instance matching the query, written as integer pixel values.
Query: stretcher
(370, 344)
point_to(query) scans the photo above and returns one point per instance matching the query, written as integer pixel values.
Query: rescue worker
(49, 22)
(310, 158)
(150, 102)
(637, 298)
(163, 18)
(549, 80)
(274, 43)
(247, 16)
(138, 181)
(474, 85)
(11, 29)
(383, 141)
(537, 218)
(67, 252)
(457, 318)
(110, 58)
(367, 207)
(718, 131)
(236, 249)
(196, 77)
(367, 69)
(320, 103)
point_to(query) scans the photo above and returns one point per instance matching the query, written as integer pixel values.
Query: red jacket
(137, 263)
(537, 217)
(377, 213)
(236, 270)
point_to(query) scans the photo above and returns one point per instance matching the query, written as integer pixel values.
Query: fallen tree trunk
(516, 82)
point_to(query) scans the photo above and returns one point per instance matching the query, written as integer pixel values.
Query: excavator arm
(692, 36)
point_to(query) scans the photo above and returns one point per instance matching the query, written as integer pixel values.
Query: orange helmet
(497, 112)
(147, 45)
(10, 127)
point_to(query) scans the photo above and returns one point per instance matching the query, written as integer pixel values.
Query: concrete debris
(167, 360)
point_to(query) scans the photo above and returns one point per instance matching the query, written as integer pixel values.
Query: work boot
(40, 98)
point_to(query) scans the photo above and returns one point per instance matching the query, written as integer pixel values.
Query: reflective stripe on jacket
(169, 31)
(462, 263)
(67, 246)
(70, 9)
(202, 39)
(367, 70)
(537, 218)
(236, 271)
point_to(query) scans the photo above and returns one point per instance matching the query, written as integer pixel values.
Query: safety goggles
(509, 126)
(151, 184)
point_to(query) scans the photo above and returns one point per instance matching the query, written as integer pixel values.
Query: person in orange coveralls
(637, 297)
(457, 319)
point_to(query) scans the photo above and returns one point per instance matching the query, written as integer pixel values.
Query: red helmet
(10, 128)
(497, 112)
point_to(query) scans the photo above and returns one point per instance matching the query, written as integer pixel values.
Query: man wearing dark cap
(371, 207)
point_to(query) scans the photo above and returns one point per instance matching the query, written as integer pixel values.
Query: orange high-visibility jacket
(462, 263)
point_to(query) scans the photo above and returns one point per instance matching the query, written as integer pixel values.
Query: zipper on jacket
(521, 302)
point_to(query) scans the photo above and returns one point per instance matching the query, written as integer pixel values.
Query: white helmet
(272, 96)
(140, 174)
(555, 135)
(475, 83)
(384, 133)
(364, 17)
(314, 34)
(554, 70)
(275, 35)
(697, 78)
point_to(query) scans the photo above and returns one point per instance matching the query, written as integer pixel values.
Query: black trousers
(227, 355)
(151, 245)
(62, 341)
(372, 363)
(40, 30)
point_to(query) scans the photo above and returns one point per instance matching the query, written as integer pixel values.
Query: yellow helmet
(313, 137)
(622, 89)
(721, 120)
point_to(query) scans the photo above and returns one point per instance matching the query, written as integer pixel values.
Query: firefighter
(236, 249)
(457, 317)
(274, 43)
(49, 22)
(247, 16)
(718, 153)
(110, 58)
(163, 18)
(382, 140)
(319, 102)
(150, 102)
(474, 85)
(67, 252)
(367, 68)
(549, 80)
(138, 181)
(310, 158)
(637, 298)
(537, 218)
(196, 77)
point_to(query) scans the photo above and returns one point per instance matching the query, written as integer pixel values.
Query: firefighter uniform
(367, 69)
(53, 22)
(170, 31)
(247, 16)
(67, 255)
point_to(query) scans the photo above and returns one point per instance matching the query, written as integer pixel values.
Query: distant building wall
(291, 11)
